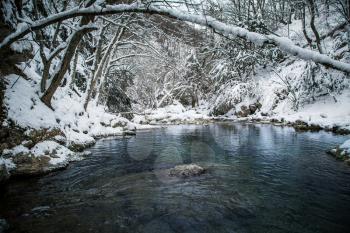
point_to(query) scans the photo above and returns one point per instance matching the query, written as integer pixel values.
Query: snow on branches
(282, 43)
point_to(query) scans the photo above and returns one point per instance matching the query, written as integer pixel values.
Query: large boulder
(248, 110)
(187, 170)
(254, 107)
(42, 158)
(221, 109)
(28, 164)
(244, 112)
(38, 135)
(11, 136)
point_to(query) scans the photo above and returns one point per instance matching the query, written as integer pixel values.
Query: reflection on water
(260, 179)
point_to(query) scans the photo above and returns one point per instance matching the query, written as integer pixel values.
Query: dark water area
(259, 178)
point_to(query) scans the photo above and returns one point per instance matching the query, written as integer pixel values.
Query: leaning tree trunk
(47, 64)
(67, 57)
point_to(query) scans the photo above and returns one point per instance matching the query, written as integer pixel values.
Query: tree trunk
(101, 66)
(45, 75)
(313, 27)
(67, 57)
(47, 64)
(74, 69)
(308, 39)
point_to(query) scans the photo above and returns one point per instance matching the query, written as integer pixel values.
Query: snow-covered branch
(133, 55)
(284, 44)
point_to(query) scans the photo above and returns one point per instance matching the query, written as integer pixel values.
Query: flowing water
(259, 178)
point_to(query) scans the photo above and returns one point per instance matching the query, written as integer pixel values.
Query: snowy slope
(22, 100)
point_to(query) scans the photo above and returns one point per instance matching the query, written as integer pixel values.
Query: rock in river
(186, 170)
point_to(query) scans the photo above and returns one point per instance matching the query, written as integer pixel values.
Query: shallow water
(259, 178)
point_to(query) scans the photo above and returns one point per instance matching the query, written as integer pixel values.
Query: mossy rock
(300, 127)
(36, 136)
(339, 154)
(303, 126)
(119, 124)
(11, 136)
(340, 131)
(315, 127)
(300, 122)
(28, 164)
(347, 162)
(79, 147)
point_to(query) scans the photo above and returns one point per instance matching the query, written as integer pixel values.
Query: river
(259, 178)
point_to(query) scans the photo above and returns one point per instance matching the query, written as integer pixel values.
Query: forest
(174, 115)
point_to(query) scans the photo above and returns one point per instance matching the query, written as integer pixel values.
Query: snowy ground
(173, 114)
(324, 112)
(26, 109)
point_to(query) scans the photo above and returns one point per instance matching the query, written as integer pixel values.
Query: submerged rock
(186, 170)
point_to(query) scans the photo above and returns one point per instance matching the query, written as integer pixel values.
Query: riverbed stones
(248, 110)
(187, 170)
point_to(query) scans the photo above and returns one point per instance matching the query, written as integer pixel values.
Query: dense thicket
(129, 61)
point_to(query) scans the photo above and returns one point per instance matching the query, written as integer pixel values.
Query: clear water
(260, 178)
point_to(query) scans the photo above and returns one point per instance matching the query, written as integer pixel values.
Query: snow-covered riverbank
(52, 139)
(39, 140)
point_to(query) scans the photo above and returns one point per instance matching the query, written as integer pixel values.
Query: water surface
(259, 178)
